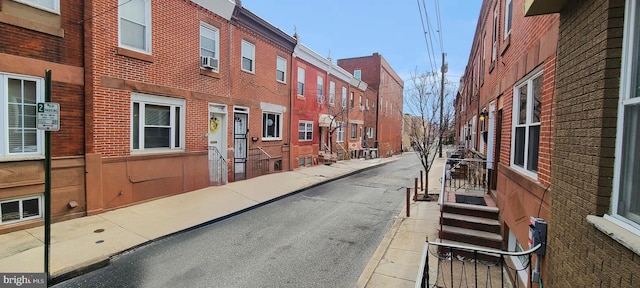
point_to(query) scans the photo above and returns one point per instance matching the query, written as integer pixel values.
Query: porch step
(471, 222)
(484, 256)
(471, 210)
(470, 236)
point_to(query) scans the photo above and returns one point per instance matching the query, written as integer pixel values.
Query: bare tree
(422, 101)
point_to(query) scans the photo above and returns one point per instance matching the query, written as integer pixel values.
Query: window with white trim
(494, 36)
(209, 47)
(332, 92)
(134, 24)
(351, 101)
(370, 132)
(508, 15)
(301, 76)
(157, 123)
(18, 101)
(320, 89)
(340, 131)
(248, 57)
(281, 69)
(521, 261)
(305, 131)
(357, 74)
(625, 204)
(21, 209)
(48, 5)
(271, 126)
(527, 105)
(344, 97)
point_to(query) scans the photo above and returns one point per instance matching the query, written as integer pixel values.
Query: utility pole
(444, 70)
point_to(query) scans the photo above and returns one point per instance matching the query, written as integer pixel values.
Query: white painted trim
(162, 101)
(4, 119)
(147, 24)
(55, 10)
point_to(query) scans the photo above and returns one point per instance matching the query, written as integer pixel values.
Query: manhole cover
(98, 230)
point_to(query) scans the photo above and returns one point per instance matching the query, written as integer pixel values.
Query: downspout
(291, 87)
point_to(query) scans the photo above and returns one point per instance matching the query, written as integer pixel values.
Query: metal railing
(258, 162)
(218, 169)
(465, 176)
(488, 264)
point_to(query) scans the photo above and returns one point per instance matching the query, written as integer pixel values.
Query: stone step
(471, 210)
(484, 256)
(470, 236)
(471, 222)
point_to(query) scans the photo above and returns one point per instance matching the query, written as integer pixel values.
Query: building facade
(39, 36)
(594, 229)
(504, 114)
(388, 101)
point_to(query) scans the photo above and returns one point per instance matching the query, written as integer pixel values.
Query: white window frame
(216, 48)
(354, 130)
(351, 100)
(55, 9)
(494, 35)
(332, 92)
(339, 132)
(370, 133)
(528, 80)
(147, 25)
(281, 66)
(344, 97)
(508, 17)
(301, 81)
(248, 52)
(320, 89)
(308, 128)
(4, 118)
(172, 103)
(357, 74)
(622, 194)
(515, 246)
(21, 209)
(264, 127)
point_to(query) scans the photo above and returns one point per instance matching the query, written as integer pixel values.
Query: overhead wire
(424, 31)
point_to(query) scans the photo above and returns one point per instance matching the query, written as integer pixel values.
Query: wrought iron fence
(464, 176)
(258, 162)
(461, 266)
(218, 169)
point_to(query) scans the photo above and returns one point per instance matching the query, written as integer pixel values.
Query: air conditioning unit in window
(209, 62)
(361, 108)
(367, 107)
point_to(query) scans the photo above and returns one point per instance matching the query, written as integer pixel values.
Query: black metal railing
(258, 162)
(218, 169)
(461, 266)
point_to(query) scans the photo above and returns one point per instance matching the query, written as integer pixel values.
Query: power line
(439, 25)
(424, 31)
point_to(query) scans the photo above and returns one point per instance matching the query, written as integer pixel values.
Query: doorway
(240, 131)
(217, 144)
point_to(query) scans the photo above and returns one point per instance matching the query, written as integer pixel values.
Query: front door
(217, 145)
(240, 131)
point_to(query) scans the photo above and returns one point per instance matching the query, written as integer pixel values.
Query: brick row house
(36, 36)
(159, 98)
(504, 114)
(555, 85)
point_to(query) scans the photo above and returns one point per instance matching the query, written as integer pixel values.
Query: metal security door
(240, 145)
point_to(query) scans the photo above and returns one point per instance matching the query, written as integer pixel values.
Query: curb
(103, 262)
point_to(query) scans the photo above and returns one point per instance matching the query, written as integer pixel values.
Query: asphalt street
(321, 237)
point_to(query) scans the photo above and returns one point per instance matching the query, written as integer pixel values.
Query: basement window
(22, 209)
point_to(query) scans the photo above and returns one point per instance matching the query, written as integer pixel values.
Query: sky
(353, 28)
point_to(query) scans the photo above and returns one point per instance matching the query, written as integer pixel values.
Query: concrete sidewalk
(88, 242)
(396, 261)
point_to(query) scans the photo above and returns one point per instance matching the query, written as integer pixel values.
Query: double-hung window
(370, 132)
(48, 5)
(351, 100)
(332, 92)
(209, 47)
(340, 132)
(135, 24)
(344, 97)
(301, 81)
(494, 36)
(157, 123)
(271, 126)
(320, 89)
(354, 130)
(22, 209)
(625, 204)
(527, 104)
(508, 14)
(19, 135)
(248, 57)
(305, 131)
(281, 69)
(357, 74)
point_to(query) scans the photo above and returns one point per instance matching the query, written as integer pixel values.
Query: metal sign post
(47, 119)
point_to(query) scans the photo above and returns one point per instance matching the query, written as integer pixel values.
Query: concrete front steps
(473, 226)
